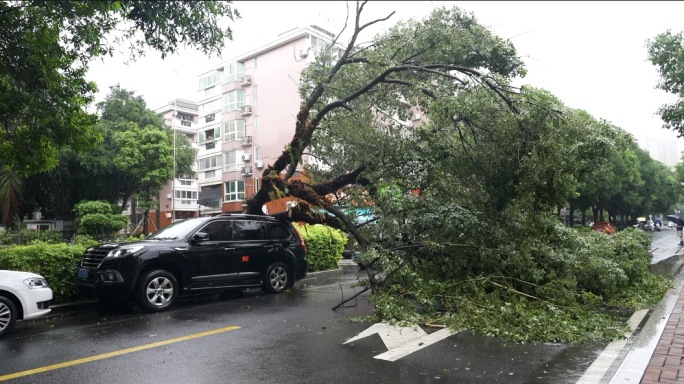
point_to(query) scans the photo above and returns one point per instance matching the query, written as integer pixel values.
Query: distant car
(224, 253)
(603, 226)
(23, 296)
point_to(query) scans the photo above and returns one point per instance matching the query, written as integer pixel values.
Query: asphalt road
(293, 337)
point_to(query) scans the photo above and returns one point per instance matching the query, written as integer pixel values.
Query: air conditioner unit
(168, 215)
(168, 196)
(246, 141)
(415, 116)
(246, 80)
(259, 164)
(303, 52)
(246, 110)
(246, 157)
(246, 171)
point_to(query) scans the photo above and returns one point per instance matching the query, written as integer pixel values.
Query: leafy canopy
(44, 55)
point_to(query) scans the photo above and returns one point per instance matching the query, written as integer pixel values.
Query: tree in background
(126, 126)
(44, 56)
(666, 53)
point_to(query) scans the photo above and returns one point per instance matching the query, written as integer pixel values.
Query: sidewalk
(654, 352)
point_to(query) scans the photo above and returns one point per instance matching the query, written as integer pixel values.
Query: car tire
(8, 315)
(276, 278)
(157, 291)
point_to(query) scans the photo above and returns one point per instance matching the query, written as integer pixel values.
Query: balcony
(246, 81)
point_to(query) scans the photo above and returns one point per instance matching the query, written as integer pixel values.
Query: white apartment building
(178, 200)
(247, 112)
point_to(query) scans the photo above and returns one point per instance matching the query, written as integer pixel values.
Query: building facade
(247, 109)
(178, 199)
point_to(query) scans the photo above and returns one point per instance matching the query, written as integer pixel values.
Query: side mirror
(199, 237)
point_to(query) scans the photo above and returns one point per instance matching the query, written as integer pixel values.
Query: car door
(214, 263)
(251, 247)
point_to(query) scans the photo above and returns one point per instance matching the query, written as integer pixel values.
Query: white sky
(590, 54)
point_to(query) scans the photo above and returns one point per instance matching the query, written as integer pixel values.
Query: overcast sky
(591, 55)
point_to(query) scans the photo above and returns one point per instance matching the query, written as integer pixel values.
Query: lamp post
(173, 181)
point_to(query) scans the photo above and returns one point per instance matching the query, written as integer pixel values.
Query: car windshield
(177, 230)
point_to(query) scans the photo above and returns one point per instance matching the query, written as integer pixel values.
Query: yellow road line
(114, 353)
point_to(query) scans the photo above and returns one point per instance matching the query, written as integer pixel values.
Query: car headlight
(36, 282)
(123, 251)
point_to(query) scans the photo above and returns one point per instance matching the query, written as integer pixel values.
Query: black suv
(222, 252)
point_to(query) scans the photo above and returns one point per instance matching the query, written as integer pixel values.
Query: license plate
(83, 274)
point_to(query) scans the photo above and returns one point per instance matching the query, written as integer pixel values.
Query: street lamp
(173, 181)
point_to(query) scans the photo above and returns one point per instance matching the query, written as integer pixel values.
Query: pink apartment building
(247, 109)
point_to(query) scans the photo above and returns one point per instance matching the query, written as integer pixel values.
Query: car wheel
(276, 278)
(8, 315)
(157, 291)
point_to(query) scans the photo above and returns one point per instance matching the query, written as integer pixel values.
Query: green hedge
(57, 263)
(324, 245)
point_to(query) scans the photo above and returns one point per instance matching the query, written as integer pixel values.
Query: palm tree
(11, 185)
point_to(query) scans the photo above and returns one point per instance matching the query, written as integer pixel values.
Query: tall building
(247, 113)
(178, 199)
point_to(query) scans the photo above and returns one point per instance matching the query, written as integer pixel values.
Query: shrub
(324, 245)
(99, 219)
(56, 262)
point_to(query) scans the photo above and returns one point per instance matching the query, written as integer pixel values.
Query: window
(254, 93)
(254, 62)
(209, 80)
(233, 160)
(210, 107)
(209, 163)
(318, 44)
(219, 230)
(210, 118)
(234, 130)
(233, 100)
(256, 122)
(213, 133)
(277, 232)
(234, 71)
(235, 190)
(248, 230)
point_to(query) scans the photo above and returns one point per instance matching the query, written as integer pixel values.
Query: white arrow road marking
(414, 345)
(401, 341)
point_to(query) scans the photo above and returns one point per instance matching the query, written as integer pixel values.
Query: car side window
(277, 232)
(219, 231)
(248, 230)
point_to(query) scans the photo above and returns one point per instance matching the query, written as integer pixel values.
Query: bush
(99, 219)
(324, 245)
(56, 262)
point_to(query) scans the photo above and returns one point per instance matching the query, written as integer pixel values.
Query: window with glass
(318, 44)
(207, 163)
(235, 190)
(209, 80)
(233, 100)
(256, 122)
(234, 130)
(234, 71)
(213, 133)
(233, 160)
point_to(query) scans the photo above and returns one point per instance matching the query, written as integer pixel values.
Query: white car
(23, 296)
